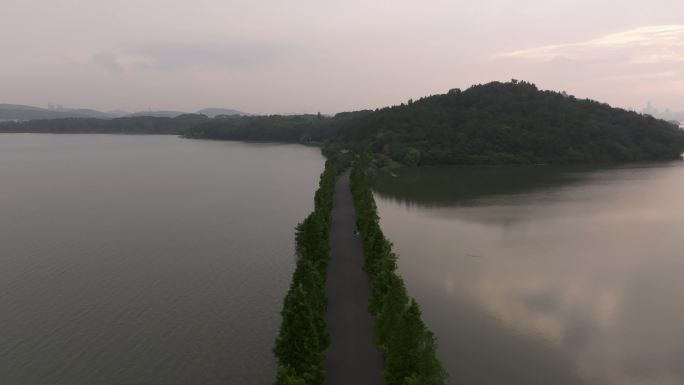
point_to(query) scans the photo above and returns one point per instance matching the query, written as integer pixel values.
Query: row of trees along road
(303, 335)
(409, 348)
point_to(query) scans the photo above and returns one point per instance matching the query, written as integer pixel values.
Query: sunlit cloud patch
(643, 45)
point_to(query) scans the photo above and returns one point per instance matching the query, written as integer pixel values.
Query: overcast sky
(275, 56)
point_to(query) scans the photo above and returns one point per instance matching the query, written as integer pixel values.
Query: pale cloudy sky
(275, 56)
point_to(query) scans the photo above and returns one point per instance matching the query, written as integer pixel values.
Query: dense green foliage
(303, 335)
(129, 125)
(499, 123)
(495, 123)
(409, 347)
(273, 128)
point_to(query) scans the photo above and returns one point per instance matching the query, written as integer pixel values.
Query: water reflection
(551, 276)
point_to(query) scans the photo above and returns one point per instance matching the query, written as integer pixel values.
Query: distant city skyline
(332, 56)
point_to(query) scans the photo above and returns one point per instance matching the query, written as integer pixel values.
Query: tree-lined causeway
(352, 357)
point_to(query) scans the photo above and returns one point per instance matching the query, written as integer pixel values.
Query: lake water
(545, 275)
(145, 259)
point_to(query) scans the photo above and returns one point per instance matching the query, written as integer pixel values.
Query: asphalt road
(352, 357)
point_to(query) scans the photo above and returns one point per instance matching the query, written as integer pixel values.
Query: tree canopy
(272, 128)
(494, 123)
(513, 122)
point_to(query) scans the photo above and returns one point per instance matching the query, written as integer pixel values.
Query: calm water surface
(545, 275)
(145, 259)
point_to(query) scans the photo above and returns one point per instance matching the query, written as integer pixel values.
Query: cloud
(644, 45)
(108, 61)
(178, 56)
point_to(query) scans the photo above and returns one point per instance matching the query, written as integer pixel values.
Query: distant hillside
(214, 112)
(157, 114)
(91, 113)
(513, 122)
(210, 112)
(21, 112)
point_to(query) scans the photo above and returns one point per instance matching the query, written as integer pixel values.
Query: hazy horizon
(333, 56)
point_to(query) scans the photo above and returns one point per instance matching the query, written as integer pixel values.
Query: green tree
(286, 377)
(297, 345)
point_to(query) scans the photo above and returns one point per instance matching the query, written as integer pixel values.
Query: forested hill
(494, 123)
(499, 123)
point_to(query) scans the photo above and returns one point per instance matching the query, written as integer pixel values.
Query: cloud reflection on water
(590, 267)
